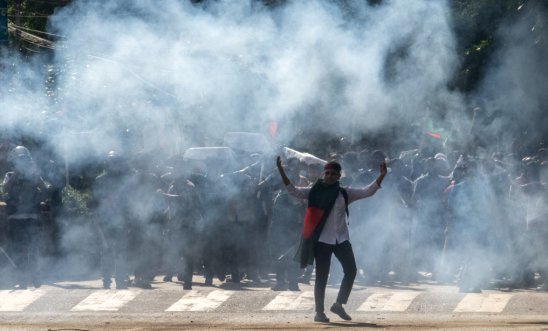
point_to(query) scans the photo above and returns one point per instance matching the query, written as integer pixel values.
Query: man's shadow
(354, 325)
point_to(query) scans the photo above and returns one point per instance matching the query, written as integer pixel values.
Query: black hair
(333, 165)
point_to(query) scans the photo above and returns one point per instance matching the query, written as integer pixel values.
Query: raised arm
(382, 174)
(357, 193)
(280, 167)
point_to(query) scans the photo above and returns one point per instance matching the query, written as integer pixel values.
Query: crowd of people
(442, 216)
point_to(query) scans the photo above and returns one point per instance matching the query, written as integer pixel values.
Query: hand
(384, 170)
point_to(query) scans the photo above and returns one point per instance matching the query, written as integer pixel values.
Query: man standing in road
(111, 207)
(25, 193)
(325, 231)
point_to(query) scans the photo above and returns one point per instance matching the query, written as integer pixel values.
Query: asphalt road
(84, 305)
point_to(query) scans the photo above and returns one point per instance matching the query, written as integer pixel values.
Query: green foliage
(477, 24)
(31, 17)
(75, 202)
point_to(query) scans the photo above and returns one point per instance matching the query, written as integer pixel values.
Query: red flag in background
(434, 131)
(273, 128)
(434, 134)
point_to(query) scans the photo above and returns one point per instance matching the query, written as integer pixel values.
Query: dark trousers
(286, 269)
(114, 256)
(24, 236)
(190, 252)
(182, 246)
(322, 253)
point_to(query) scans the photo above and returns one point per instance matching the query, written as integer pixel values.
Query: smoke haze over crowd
(163, 76)
(177, 71)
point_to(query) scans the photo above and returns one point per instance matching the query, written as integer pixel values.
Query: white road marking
(196, 301)
(18, 300)
(390, 301)
(106, 300)
(292, 301)
(483, 303)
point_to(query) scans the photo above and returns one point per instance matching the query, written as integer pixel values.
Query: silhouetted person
(25, 194)
(287, 218)
(183, 228)
(111, 209)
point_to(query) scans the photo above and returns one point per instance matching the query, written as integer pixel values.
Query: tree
(476, 24)
(27, 23)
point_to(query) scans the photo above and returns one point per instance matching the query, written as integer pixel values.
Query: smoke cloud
(163, 76)
(179, 72)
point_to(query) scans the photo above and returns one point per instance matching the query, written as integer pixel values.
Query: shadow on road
(354, 325)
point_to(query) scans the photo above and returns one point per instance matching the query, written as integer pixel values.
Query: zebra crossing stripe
(18, 300)
(389, 301)
(106, 300)
(483, 303)
(292, 301)
(196, 301)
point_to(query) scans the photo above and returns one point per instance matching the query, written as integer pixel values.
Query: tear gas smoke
(162, 76)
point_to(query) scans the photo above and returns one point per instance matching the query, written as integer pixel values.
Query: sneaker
(543, 287)
(235, 278)
(36, 282)
(255, 283)
(294, 287)
(320, 317)
(143, 284)
(278, 287)
(121, 285)
(338, 309)
(304, 280)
